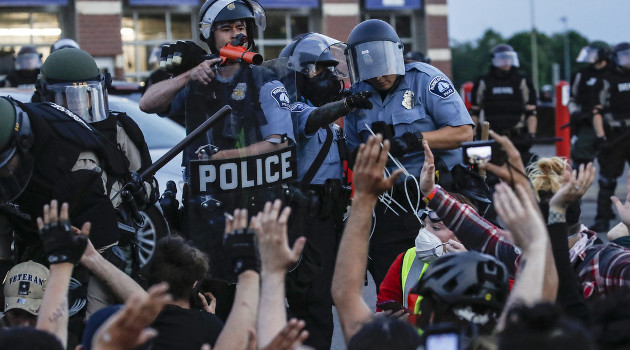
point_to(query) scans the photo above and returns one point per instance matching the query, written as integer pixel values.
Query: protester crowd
(468, 250)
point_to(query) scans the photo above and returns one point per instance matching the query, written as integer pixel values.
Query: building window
(403, 22)
(144, 31)
(282, 27)
(17, 29)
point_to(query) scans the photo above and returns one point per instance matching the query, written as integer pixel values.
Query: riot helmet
(466, 279)
(622, 55)
(28, 59)
(16, 140)
(374, 50)
(318, 66)
(596, 51)
(63, 44)
(503, 55)
(215, 11)
(70, 78)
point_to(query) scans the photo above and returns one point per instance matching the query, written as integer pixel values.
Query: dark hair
(385, 333)
(611, 320)
(542, 326)
(180, 264)
(19, 338)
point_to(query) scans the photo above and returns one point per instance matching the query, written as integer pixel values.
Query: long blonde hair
(546, 174)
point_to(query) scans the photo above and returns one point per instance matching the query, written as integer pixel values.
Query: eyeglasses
(431, 214)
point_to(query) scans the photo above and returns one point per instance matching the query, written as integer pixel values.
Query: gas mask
(428, 246)
(322, 88)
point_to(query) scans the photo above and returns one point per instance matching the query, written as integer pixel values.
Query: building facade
(122, 34)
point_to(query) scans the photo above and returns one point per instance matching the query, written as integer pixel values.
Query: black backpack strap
(319, 160)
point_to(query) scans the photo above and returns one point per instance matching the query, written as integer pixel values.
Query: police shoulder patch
(281, 96)
(441, 87)
(298, 107)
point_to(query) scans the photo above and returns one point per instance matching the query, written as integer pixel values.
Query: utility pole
(567, 60)
(534, 47)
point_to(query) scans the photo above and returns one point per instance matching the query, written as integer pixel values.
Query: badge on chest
(408, 101)
(238, 94)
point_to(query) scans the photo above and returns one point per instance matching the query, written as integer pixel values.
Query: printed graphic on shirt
(623, 87)
(298, 107)
(441, 87)
(281, 96)
(502, 90)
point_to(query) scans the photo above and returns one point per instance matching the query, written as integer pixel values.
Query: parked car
(161, 134)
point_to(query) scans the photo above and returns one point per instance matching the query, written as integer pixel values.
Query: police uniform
(65, 150)
(423, 100)
(615, 99)
(502, 96)
(319, 218)
(584, 96)
(260, 108)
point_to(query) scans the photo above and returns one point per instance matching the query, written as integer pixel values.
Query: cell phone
(392, 305)
(443, 337)
(478, 152)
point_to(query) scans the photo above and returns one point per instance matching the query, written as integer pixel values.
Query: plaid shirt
(475, 232)
(601, 267)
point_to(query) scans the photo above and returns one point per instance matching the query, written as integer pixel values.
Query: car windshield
(158, 132)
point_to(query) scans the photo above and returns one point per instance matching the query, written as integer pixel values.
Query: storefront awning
(24, 3)
(392, 4)
(163, 2)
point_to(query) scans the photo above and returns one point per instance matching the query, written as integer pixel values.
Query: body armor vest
(590, 84)
(503, 102)
(619, 94)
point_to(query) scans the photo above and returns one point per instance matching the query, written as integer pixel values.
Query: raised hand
(574, 184)
(427, 175)
(271, 230)
(128, 328)
(369, 169)
(512, 171)
(240, 243)
(60, 243)
(624, 209)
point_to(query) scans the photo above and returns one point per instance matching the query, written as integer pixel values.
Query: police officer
(584, 96)
(48, 152)
(412, 102)
(507, 99)
(312, 67)
(63, 43)
(611, 122)
(70, 78)
(27, 64)
(260, 120)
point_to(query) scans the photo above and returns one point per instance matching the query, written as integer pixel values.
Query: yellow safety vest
(411, 271)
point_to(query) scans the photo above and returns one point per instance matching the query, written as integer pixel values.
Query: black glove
(601, 144)
(407, 142)
(359, 100)
(61, 244)
(137, 189)
(181, 56)
(242, 251)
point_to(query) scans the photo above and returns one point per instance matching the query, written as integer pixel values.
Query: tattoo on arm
(62, 310)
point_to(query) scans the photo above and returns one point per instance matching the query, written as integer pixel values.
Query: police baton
(158, 164)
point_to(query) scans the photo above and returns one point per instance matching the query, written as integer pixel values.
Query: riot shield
(243, 161)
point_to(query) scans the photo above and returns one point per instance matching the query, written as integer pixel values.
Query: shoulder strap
(319, 160)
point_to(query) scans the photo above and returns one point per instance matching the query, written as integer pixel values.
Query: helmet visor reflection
(587, 55)
(374, 59)
(87, 100)
(622, 58)
(504, 59)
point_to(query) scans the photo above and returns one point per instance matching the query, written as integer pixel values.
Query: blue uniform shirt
(308, 147)
(425, 100)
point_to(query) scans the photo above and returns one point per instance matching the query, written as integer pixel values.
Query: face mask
(428, 246)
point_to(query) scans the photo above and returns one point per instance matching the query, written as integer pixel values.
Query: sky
(607, 20)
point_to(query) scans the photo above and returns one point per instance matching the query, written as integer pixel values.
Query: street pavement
(589, 206)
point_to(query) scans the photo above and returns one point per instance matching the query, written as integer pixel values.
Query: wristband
(430, 196)
(556, 217)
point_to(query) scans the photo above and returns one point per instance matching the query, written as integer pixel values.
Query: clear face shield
(88, 100)
(374, 59)
(622, 58)
(587, 55)
(505, 59)
(28, 61)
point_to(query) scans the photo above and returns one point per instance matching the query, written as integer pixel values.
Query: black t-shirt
(180, 328)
